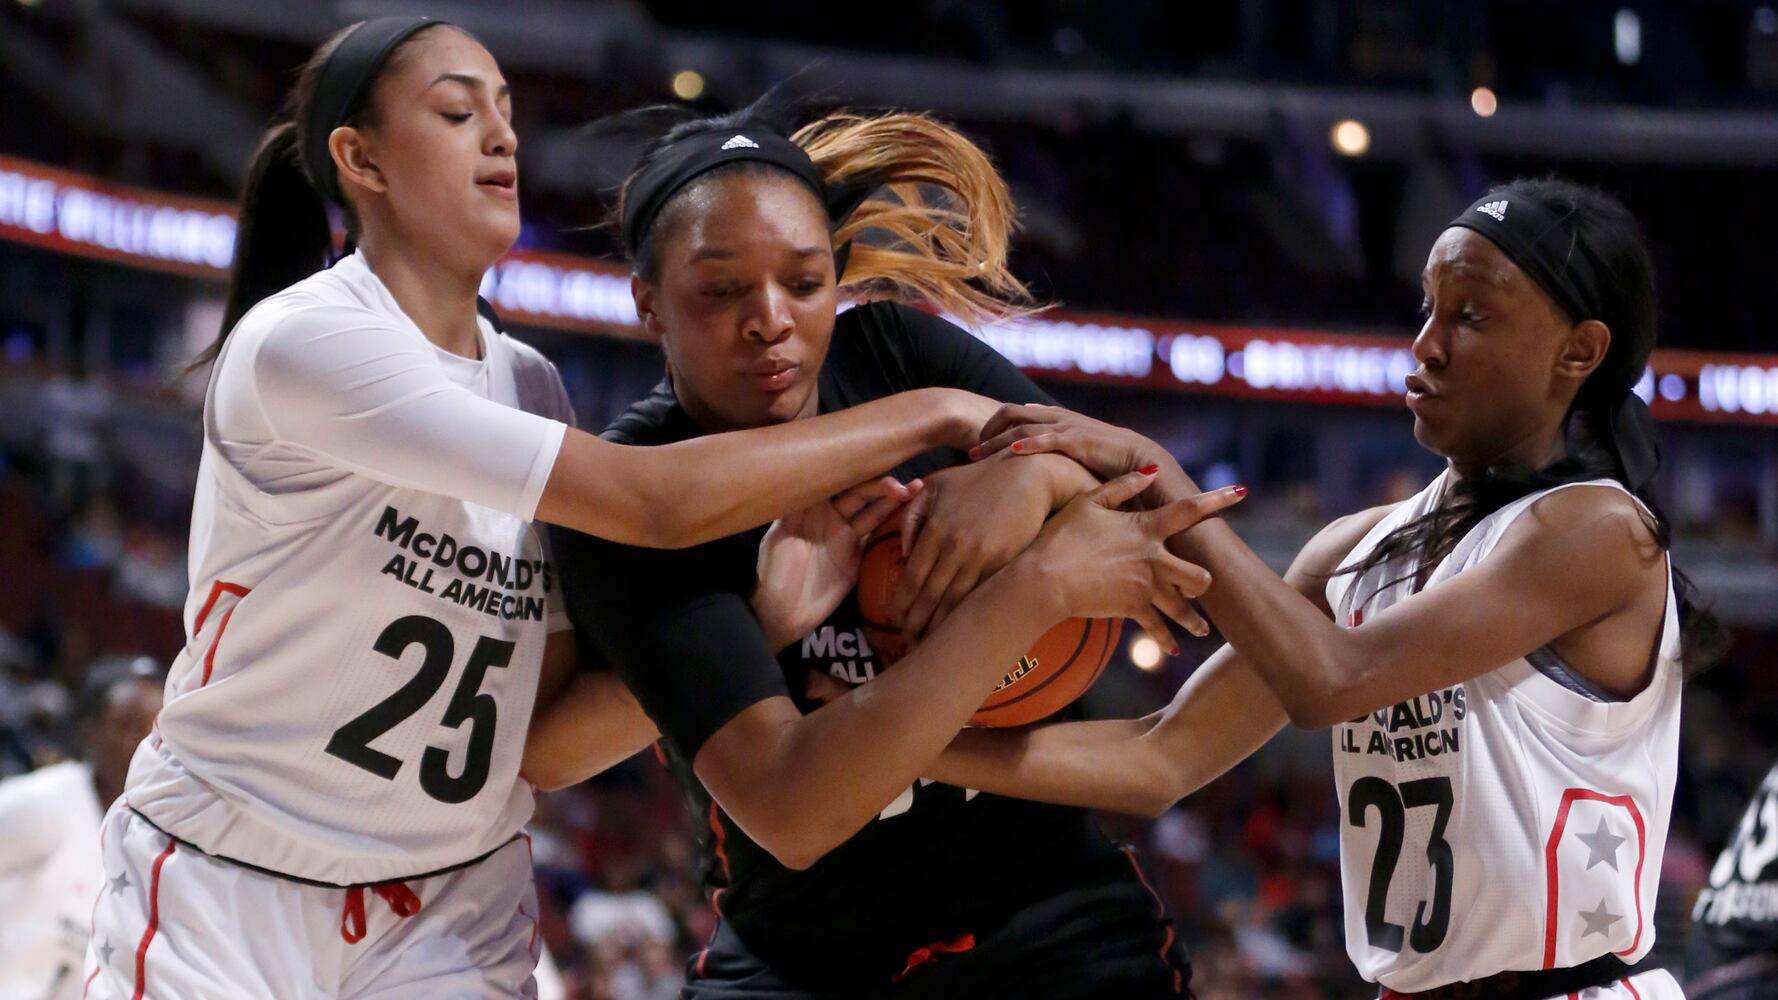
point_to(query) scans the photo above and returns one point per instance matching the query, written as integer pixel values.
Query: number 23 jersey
(1514, 821)
(370, 600)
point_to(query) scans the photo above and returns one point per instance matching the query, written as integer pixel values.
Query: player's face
(128, 715)
(745, 302)
(440, 150)
(1490, 384)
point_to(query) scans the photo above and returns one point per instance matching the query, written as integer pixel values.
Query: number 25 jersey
(1514, 821)
(370, 600)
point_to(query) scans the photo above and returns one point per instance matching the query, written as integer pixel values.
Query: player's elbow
(546, 778)
(1159, 786)
(796, 841)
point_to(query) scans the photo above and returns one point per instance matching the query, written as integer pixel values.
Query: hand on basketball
(968, 523)
(808, 561)
(1099, 561)
(1106, 449)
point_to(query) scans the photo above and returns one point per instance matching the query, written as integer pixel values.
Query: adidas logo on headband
(1495, 208)
(742, 142)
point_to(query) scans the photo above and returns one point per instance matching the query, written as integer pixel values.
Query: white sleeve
(540, 390)
(347, 385)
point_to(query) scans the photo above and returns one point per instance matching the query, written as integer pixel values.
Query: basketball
(1056, 670)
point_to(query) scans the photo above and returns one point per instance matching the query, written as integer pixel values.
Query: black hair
(283, 233)
(1627, 308)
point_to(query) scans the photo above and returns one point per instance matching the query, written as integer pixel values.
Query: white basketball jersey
(364, 641)
(1511, 822)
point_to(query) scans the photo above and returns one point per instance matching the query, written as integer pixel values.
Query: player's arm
(338, 382)
(593, 723)
(1220, 716)
(1575, 559)
(800, 785)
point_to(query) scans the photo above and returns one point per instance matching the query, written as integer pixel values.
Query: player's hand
(1105, 449)
(808, 561)
(970, 521)
(1098, 561)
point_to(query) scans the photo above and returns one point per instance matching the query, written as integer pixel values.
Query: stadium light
(1483, 102)
(1626, 36)
(688, 85)
(1145, 653)
(1349, 137)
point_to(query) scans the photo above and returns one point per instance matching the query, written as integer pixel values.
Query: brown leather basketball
(1056, 670)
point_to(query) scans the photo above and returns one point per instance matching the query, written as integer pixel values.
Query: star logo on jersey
(105, 951)
(1599, 921)
(120, 883)
(1602, 845)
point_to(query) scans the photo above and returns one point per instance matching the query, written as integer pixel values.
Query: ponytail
(283, 234)
(944, 213)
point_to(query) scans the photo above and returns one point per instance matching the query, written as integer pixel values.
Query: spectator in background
(75, 416)
(49, 834)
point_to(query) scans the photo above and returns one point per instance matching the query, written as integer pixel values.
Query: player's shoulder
(524, 356)
(1598, 523)
(1579, 505)
(334, 307)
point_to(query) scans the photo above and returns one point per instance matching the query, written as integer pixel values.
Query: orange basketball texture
(1057, 669)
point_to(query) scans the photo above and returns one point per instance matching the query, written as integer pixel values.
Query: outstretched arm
(1219, 717)
(689, 492)
(1580, 565)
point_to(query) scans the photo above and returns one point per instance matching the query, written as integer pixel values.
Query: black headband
(344, 78)
(1544, 242)
(697, 154)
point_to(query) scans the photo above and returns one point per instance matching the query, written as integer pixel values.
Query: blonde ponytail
(937, 229)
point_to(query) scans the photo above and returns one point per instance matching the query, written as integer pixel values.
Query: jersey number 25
(351, 742)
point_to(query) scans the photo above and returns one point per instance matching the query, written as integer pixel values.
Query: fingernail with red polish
(1149, 470)
(1018, 446)
(975, 453)
(1240, 491)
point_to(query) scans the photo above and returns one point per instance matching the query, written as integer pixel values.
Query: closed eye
(455, 119)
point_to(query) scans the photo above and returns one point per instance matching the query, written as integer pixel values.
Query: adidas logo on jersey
(742, 142)
(1495, 208)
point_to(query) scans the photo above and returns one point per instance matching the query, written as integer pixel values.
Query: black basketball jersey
(1737, 913)
(939, 861)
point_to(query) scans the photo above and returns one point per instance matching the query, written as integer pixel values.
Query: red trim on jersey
(930, 953)
(154, 918)
(1631, 987)
(721, 843)
(217, 589)
(531, 860)
(1160, 911)
(89, 983)
(1569, 797)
